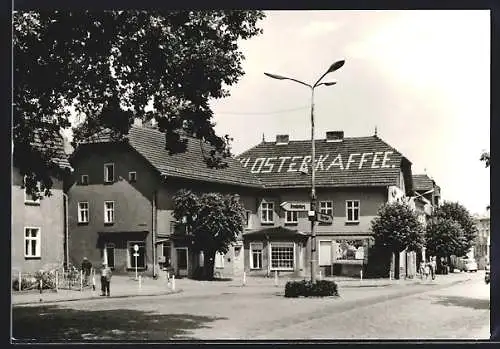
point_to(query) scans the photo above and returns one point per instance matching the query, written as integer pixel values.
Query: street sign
(136, 247)
(324, 218)
(296, 206)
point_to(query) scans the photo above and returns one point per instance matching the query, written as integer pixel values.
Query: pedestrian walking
(86, 268)
(433, 267)
(105, 279)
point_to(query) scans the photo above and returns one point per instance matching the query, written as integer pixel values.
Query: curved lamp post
(312, 215)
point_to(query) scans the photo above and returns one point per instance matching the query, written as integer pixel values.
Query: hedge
(305, 288)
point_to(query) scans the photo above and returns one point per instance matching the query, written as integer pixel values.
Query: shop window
(282, 256)
(351, 249)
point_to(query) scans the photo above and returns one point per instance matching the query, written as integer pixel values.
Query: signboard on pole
(324, 218)
(296, 206)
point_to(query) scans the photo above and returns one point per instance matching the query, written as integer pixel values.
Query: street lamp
(335, 66)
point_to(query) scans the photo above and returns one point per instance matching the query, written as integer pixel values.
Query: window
(248, 214)
(290, 217)
(325, 252)
(326, 207)
(132, 176)
(109, 173)
(282, 256)
(32, 242)
(256, 255)
(141, 254)
(83, 212)
(351, 249)
(84, 179)
(266, 212)
(28, 198)
(109, 211)
(352, 210)
(219, 260)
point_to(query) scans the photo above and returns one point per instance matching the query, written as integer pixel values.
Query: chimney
(282, 139)
(334, 136)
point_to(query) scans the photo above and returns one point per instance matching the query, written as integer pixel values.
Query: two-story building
(38, 235)
(121, 197)
(354, 177)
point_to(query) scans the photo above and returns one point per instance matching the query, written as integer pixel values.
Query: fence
(55, 279)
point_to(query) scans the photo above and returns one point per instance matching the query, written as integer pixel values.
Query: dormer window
(109, 173)
(84, 179)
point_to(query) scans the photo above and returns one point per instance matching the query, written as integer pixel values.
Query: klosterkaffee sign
(325, 162)
(353, 161)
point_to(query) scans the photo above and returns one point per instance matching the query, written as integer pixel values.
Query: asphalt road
(428, 311)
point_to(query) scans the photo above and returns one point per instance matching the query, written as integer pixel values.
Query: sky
(422, 78)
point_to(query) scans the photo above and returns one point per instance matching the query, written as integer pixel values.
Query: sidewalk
(121, 286)
(126, 286)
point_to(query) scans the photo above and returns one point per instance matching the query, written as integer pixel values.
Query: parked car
(487, 274)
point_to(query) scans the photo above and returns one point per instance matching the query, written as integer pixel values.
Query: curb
(97, 297)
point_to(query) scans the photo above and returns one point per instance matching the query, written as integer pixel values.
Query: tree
(107, 66)
(485, 156)
(396, 228)
(214, 221)
(444, 238)
(458, 213)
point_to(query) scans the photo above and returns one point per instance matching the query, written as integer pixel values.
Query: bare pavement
(452, 306)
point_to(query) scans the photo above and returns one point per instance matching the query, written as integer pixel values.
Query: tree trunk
(208, 268)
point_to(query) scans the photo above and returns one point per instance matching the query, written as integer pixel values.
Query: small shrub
(305, 288)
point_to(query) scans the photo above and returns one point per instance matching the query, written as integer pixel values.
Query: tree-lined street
(427, 310)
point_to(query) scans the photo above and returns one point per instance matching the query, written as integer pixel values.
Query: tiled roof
(150, 143)
(56, 146)
(422, 182)
(279, 165)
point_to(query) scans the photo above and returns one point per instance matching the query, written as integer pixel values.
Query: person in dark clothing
(105, 280)
(86, 268)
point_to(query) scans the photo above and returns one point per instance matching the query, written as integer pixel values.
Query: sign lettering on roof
(325, 162)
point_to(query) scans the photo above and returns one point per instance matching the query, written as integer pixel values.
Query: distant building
(482, 244)
(38, 226)
(354, 177)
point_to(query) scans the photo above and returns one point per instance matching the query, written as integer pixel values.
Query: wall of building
(48, 216)
(132, 200)
(370, 201)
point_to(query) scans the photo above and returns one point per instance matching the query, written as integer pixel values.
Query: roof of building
(150, 143)
(351, 162)
(422, 182)
(275, 232)
(55, 146)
